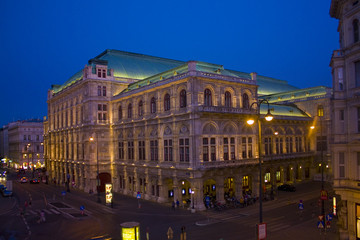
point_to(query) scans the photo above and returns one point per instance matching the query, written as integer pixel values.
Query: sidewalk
(6, 204)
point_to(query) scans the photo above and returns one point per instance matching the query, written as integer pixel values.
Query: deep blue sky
(45, 42)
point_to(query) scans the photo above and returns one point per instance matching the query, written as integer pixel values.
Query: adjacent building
(174, 130)
(345, 147)
(22, 144)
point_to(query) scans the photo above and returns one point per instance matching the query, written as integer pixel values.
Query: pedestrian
(177, 203)
(42, 215)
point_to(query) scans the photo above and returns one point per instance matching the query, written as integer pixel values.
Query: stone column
(162, 195)
(238, 186)
(198, 197)
(220, 189)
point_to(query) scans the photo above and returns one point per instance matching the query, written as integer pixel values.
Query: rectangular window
(341, 115)
(226, 149)
(243, 147)
(104, 91)
(298, 143)
(168, 150)
(357, 74)
(99, 73)
(154, 150)
(268, 146)
(358, 119)
(141, 150)
(358, 164)
(205, 149)
(341, 165)
(278, 176)
(321, 143)
(289, 145)
(250, 154)
(121, 150)
(184, 150)
(99, 90)
(130, 150)
(104, 74)
(232, 148)
(213, 149)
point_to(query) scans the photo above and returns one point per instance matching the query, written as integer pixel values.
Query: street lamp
(97, 169)
(268, 117)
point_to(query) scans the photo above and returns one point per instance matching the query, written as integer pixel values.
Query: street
(65, 220)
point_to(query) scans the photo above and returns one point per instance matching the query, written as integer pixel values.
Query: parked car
(6, 193)
(23, 180)
(34, 180)
(287, 188)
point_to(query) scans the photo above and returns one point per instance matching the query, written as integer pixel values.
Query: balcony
(253, 161)
(218, 109)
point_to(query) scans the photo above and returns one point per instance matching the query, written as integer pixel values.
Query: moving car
(287, 188)
(23, 180)
(34, 181)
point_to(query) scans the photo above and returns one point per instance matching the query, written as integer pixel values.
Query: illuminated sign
(130, 231)
(334, 206)
(108, 193)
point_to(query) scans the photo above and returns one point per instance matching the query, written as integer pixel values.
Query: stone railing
(218, 109)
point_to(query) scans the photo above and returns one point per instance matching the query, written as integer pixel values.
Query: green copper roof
(140, 67)
(136, 66)
(301, 94)
(267, 85)
(283, 110)
(200, 66)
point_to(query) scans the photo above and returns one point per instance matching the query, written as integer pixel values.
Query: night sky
(44, 42)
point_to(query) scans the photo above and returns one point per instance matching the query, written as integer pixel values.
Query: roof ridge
(140, 55)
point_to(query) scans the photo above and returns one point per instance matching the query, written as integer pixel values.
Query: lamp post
(97, 169)
(268, 117)
(321, 114)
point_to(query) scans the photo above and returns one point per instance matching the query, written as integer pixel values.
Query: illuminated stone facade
(178, 130)
(345, 64)
(23, 144)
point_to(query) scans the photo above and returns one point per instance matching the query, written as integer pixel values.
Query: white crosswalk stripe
(47, 211)
(54, 211)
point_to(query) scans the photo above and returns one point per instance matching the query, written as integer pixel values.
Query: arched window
(140, 108)
(130, 111)
(167, 102)
(228, 99)
(246, 104)
(120, 112)
(183, 98)
(207, 97)
(153, 105)
(320, 111)
(356, 30)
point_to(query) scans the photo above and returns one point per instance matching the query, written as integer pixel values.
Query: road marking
(277, 227)
(32, 212)
(47, 211)
(54, 211)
